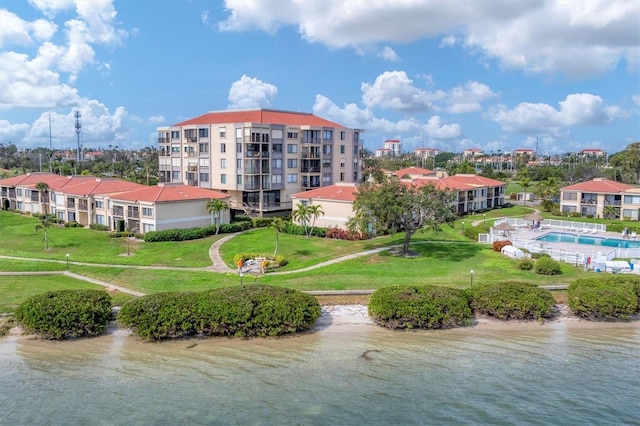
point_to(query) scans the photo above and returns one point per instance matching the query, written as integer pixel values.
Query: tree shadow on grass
(447, 251)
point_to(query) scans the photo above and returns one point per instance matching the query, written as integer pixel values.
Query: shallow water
(559, 373)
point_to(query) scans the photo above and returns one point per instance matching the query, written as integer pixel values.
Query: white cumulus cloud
(251, 93)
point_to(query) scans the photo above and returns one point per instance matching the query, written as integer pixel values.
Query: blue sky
(499, 75)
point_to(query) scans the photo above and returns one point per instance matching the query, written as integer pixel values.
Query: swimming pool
(560, 237)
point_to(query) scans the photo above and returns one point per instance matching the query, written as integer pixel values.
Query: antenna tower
(78, 130)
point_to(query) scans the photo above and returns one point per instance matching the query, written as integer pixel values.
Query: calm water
(561, 373)
(560, 237)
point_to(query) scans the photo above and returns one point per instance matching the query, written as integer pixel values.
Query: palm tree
(315, 211)
(43, 190)
(216, 207)
(279, 225)
(301, 215)
(44, 225)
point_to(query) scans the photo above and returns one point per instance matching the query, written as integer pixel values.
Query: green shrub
(242, 218)
(261, 222)
(419, 307)
(620, 226)
(511, 300)
(244, 311)
(603, 298)
(98, 227)
(66, 313)
(545, 265)
(539, 255)
(525, 264)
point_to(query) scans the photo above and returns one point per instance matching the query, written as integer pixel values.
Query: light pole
(471, 272)
(67, 261)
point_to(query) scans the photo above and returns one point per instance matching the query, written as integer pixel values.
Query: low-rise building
(601, 198)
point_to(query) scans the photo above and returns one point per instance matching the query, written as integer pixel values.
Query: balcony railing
(191, 139)
(588, 201)
(311, 184)
(71, 204)
(118, 211)
(83, 205)
(310, 170)
(314, 155)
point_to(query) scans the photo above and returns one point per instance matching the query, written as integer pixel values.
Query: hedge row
(194, 233)
(245, 311)
(66, 313)
(615, 297)
(408, 307)
(511, 300)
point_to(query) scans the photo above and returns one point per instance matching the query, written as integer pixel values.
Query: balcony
(191, 139)
(164, 140)
(314, 155)
(83, 205)
(310, 184)
(192, 182)
(588, 201)
(311, 140)
(71, 203)
(118, 211)
(193, 167)
(310, 170)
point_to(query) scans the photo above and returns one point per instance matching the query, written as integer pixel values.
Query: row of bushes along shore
(259, 310)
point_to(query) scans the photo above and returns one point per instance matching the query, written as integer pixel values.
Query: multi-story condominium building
(601, 198)
(259, 157)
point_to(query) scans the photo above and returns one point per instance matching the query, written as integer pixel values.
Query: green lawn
(15, 289)
(18, 237)
(445, 258)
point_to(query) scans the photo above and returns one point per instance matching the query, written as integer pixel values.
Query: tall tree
(45, 224)
(43, 192)
(628, 162)
(279, 225)
(548, 190)
(315, 211)
(216, 207)
(394, 205)
(301, 215)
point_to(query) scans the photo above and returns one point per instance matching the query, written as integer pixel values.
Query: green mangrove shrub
(547, 266)
(66, 313)
(244, 311)
(511, 300)
(407, 307)
(603, 298)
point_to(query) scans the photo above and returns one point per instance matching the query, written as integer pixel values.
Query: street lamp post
(67, 261)
(471, 272)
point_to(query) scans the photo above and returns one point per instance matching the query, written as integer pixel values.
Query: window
(276, 178)
(292, 178)
(326, 149)
(570, 196)
(292, 148)
(277, 147)
(342, 162)
(175, 176)
(631, 199)
(175, 148)
(342, 135)
(175, 134)
(60, 214)
(223, 147)
(326, 177)
(276, 163)
(292, 135)
(223, 178)
(19, 192)
(19, 205)
(569, 209)
(292, 163)
(342, 177)
(148, 227)
(342, 149)
(100, 219)
(327, 134)
(147, 211)
(190, 134)
(238, 147)
(133, 211)
(204, 177)
(203, 148)
(203, 133)
(239, 179)
(355, 150)
(223, 132)
(223, 163)
(99, 204)
(356, 136)
(239, 163)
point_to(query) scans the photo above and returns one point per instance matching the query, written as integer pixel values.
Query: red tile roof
(413, 171)
(599, 185)
(101, 186)
(261, 116)
(473, 180)
(167, 192)
(54, 181)
(337, 192)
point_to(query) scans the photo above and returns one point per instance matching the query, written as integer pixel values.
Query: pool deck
(523, 233)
